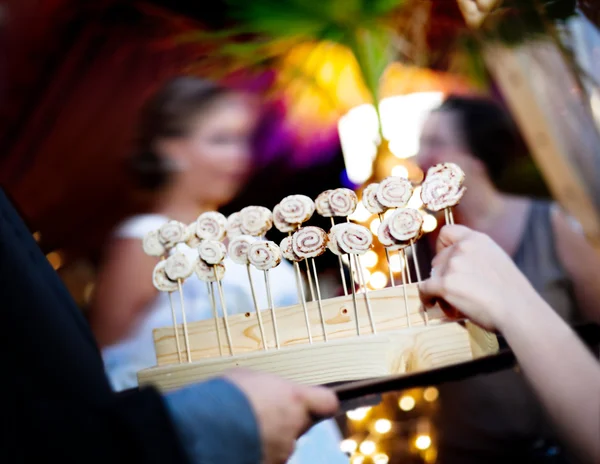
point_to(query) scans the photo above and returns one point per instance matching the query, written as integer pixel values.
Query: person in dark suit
(60, 406)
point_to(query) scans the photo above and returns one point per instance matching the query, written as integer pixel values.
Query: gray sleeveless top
(496, 418)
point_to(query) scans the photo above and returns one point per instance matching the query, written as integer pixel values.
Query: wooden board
(387, 307)
(356, 358)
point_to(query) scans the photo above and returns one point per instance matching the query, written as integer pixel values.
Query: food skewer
(308, 243)
(390, 243)
(178, 268)
(356, 240)
(238, 252)
(266, 255)
(373, 206)
(287, 249)
(405, 225)
(213, 304)
(152, 246)
(324, 209)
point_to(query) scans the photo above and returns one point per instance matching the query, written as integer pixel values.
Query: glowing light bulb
(360, 214)
(348, 446)
(369, 259)
(374, 225)
(423, 442)
(406, 403)
(358, 414)
(381, 458)
(55, 259)
(400, 171)
(383, 426)
(367, 447)
(378, 280)
(429, 223)
(431, 394)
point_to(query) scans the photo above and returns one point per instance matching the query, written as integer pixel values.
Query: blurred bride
(194, 147)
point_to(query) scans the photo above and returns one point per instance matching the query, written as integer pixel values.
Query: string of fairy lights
(375, 433)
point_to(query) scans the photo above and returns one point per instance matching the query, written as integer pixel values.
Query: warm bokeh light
(375, 223)
(415, 201)
(358, 460)
(358, 414)
(369, 259)
(378, 280)
(37, 236)
(429, 223)
(431, 394)
(88, 292)
(406, 403)
(360, 214)
(402, 117)
(348, 446)
(396, 262)
(381, 458)
(400, 171)
(367, 447)
(383, 426)
(423, 442)
(55, 259)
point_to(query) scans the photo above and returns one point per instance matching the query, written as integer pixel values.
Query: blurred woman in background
(496, 418)
(195, 149)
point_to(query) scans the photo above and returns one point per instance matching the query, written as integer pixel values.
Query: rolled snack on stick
(280, 223)
(287, 249)
(309, 242)
(212, 252)
(264, 255)
(211, 226)
(405, 224)
(172, 233)
(239, 247)
(442, 187)
(296, 209)
(234, 225)
(387, 239)
(352, 238)
(256, 220)
(343, 202)
(322, 204)
(160, 279)
(178, 267)
(192, 240)
(152, 245)
(206, 272)
(370, 201)
(394, 192)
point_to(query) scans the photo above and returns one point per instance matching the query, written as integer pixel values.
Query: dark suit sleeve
(58, 404)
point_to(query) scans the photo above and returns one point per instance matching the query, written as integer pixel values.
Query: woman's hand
(474, 275)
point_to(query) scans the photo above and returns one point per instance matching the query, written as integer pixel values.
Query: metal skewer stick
(400, 257)
(185, 329)
(213, 303)
(257, 309)
(175, 329)
(366, 292)
(387, 258)
(342, 274)
(354, 296)
(224, 308)
(319, 299)
(272, 307)
(302, 298)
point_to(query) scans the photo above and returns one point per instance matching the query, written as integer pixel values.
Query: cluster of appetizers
(245, 230)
